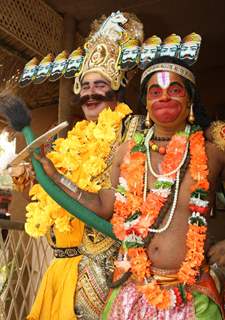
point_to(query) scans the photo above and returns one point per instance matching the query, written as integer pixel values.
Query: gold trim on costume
(182, 71)
(132, 124)
(217, 130)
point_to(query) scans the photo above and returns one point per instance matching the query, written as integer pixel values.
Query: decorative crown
(59, 66)
(105, 51)
(190, 47)
(74, 63)
(186, 50)
(170, 46)
(193, 37)
(149, 50)
(29, 72)
(131, 43)
(44, 69)
(102, 57)
(77, 52)
(172, 39)
(154, 40)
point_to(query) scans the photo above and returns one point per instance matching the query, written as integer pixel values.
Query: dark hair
(121, 94)
(201, 116)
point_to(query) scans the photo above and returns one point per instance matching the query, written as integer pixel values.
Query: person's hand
(22, 176)
(216, 254)
(47, 165)
(16, 171)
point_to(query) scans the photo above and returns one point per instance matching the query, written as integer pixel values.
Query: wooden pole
(66, 96)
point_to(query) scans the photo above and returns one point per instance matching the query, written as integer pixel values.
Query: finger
(37, 156)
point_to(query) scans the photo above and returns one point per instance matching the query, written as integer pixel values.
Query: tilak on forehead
(163, 79)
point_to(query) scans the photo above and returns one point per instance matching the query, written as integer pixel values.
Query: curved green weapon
(62, 198)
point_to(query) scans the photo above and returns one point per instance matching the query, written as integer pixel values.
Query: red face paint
(166, 111)
(166, 98)
(174, 90)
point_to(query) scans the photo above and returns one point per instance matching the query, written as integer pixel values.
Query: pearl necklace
(177, 179)
(172, 211)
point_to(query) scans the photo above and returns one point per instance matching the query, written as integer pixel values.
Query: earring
(148, 122)
(191, 117)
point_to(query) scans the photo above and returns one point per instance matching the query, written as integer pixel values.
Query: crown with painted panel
(109, 50)
(149, 51)
(186, 50)
(105, 49)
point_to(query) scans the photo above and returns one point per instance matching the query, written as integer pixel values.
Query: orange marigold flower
(139, 261)
(204, 184)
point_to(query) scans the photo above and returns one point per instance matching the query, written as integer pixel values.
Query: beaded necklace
(134, 217)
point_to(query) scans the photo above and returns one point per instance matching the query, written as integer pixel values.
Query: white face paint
(169, 50)
(163, 79)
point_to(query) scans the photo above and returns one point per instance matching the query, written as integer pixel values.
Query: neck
(161, 131)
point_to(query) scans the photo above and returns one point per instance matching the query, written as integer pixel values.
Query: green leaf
(121, 189)
(134, 216)
(139, 138)
(195, 128)
(182, 292)
(138, 148)
(132, 244)
(200, 193)
(162, 184)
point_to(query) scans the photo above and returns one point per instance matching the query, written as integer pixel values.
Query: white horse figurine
(111, 27)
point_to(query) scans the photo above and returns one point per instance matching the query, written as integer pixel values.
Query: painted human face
(189, 51)
(168, 50)
(44, 68)
(94, 83)
(74, 64)
(167, 99)
(28, 73)
(58, 66)
(129, 57)
(148, 52)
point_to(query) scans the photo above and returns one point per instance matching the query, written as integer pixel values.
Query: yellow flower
(63, 223)
(38, 223)
(82, 157)
(123, 108)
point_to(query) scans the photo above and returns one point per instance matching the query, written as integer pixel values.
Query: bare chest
(167, 249)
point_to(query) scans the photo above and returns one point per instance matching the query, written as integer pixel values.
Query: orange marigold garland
(134, 215)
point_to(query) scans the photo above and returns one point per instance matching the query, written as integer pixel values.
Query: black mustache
(109, 96)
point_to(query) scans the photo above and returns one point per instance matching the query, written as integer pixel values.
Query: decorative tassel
(15, 111)
(148, 122)
(191, 117)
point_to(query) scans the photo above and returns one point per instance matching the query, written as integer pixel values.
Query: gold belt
(66, 252)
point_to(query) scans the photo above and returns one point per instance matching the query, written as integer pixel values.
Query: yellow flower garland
(82, 157)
